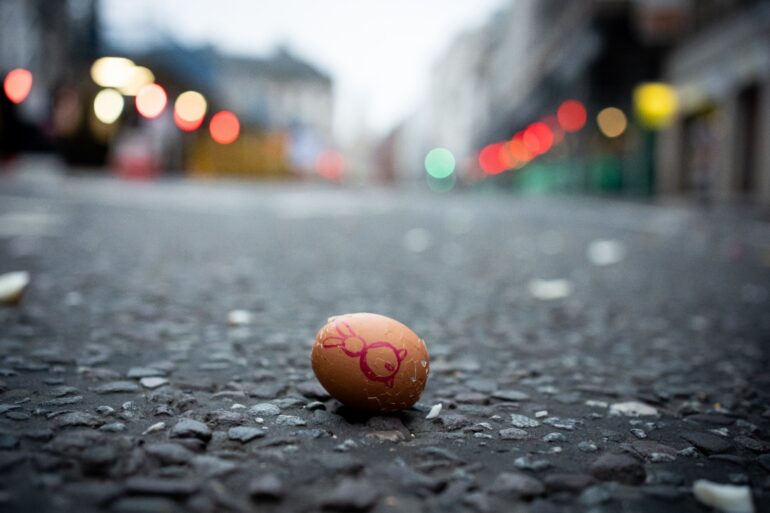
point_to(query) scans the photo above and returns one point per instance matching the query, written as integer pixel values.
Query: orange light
(187, 126)
(190, 106)
(519, 150)
(531, 142)
(224, 127)
(18, 84)
(538, 138)
(612, 122)
(506, 157)
(330, 164)
(571, 115)
(151, 100)
(489, 159)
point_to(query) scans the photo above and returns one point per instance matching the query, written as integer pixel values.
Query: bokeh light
(507, 158)
(112, 71)
(489, 159)
(18, 84)
(151, 100)
(519, 150)
(137, 78)
(612, 122)
(190, 106)
(538, 138)
(571, 115)
(108, 105)
(655, 104)
(330, 164)
(224, 127)
(189, 110)
(439, 163)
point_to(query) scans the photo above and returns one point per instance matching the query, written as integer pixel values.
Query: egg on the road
(370, 362)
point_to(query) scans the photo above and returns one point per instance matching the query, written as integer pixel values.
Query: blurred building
(538, 54)
(281, 104)
(281, 91)
(594, 52)
(455, 109)
(516, 70)
(54, 41)
(718, 148)
(520, 66)
(285, 107)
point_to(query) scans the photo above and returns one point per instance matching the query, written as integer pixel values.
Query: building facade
(285, 107)
(718, 147)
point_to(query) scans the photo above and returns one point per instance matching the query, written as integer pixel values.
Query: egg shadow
(355, 416)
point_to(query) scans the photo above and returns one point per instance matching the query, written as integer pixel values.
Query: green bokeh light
(439, 163)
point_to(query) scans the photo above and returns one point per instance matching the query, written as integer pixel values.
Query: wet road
(588, 354)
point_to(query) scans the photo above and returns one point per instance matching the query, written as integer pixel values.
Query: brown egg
(370, 362)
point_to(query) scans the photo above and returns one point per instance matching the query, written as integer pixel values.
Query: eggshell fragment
(12, 287)
(370, 362)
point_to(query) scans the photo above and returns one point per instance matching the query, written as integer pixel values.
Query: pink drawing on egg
(343, 342)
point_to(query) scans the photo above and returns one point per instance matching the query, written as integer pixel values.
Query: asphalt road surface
(589, 354)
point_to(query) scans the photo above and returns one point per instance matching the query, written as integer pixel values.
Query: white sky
(379, 52)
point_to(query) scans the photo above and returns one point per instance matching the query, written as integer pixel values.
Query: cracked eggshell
(370, 362)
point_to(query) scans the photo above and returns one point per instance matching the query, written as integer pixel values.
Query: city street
(589, 354)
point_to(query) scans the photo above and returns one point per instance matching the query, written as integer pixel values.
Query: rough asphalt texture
(124, 388)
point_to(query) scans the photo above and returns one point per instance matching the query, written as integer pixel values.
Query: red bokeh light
(18, 84)
(151, 100)
(571, 115)
(187, 126)
(538, 138)
(224, 127)
(330, 164)
(489, 159)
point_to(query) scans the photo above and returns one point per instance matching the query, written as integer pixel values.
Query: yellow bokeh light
(656, 104)
(612, 122)
(108, 105)
(190, 106)
(112, 71)
(138, 77)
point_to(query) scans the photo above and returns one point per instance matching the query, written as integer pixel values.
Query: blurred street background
(626, 98)
(568, 200)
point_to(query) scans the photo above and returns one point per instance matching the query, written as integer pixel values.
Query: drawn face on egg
(379, 361)
(382, 361)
